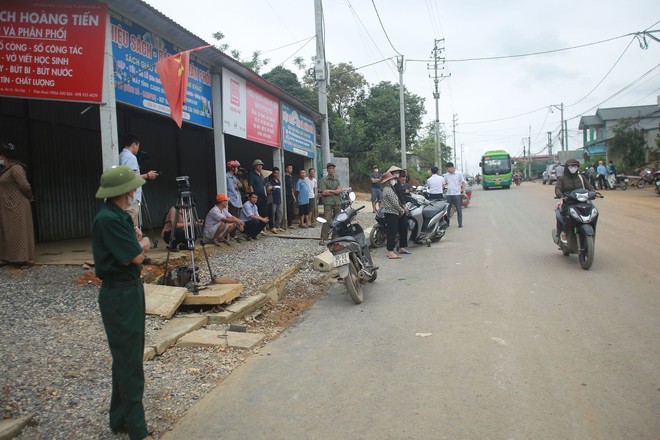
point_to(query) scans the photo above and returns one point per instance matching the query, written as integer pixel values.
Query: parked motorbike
(350, 252)
(344, 197)
(428, 220)
(378, 234)
(582, 216)
(646, 176)
(517, 179)
(656, 177)
(618, 181)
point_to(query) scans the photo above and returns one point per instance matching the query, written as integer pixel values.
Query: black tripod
(192, 229)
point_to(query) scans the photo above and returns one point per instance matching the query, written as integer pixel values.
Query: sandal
(394, 257)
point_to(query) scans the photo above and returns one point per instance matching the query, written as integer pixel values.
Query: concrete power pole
(436, 95)
(402, 113)
(321, 75)
(454, 121)
(529, 162)
(550, 159)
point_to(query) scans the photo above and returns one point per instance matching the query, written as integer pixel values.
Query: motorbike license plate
(340, 260)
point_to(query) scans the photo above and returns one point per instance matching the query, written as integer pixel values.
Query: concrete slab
(274, 287)
(323, 262)
(214, 294)
(220, 338)
(239, 309)
(11, 428)
(149, 354)
(170, 333)
(163, 300)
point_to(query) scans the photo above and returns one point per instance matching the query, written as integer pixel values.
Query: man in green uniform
(119, 250)
(330, 189)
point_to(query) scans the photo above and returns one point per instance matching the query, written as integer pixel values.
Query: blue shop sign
(135, 52)
(298, 132)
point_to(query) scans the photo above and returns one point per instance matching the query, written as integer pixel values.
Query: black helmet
(570, 162)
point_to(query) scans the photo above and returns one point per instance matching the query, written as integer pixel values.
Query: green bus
(496, 169)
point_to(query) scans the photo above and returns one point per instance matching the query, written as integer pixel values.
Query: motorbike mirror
(321, 220)
(351, 196)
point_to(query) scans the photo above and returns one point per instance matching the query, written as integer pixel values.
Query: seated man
(254, 223)
(179, 235)
(220, 223)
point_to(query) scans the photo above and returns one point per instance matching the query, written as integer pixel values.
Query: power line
(383, 27)
(299, 49)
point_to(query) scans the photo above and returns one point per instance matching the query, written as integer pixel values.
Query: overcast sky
(477, 91)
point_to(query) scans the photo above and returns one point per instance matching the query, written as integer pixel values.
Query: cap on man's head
(221, 198)
(330, 164)
(450, 164)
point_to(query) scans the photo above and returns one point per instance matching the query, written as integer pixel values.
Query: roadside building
(76, 76)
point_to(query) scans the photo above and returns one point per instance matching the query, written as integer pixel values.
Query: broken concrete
(274, 288)
(220, 338)
(11, 428)
(170, 333)
(239, 309)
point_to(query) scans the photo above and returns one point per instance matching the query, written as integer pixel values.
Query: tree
(288, 81)
(255, 63)
(424, 149)
(629, 142)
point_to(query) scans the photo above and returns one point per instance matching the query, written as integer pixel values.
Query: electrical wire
(299, 49)
(290, 44)
(508, 117)
(383, 27)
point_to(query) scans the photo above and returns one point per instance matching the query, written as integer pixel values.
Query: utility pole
(565, 133)
(562, 134)
(529, 162)
(454, 121)
(321, 75)
(436, 95)
(551, 159)
(402, 112)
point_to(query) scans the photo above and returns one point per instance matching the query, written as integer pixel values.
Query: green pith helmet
(118, 180)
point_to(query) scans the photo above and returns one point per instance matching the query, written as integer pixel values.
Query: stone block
(173, 330)
(239, 309)
(214, 294)
(323, 262)
(274, 287)
(149, 353)
(163, 300)
(220, 338)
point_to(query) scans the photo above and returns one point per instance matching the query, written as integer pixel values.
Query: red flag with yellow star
(173, 73)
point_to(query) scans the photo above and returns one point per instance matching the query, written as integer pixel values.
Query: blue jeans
(456, 201)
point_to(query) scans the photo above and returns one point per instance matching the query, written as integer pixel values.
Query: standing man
(234, 186)
(128, 157)
(302, 195)
(257, 185)
(313, 205)
(119, 250)
(290, 195)
(455, 188)
(330, 189)
(376, 190)
(435, 185)
(601, 171)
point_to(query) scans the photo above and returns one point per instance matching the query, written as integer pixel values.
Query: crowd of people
(598, 173)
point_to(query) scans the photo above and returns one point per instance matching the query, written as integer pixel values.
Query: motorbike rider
(569, 181)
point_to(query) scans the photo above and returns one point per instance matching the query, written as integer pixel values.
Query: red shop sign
(263, 117)
(52, 50)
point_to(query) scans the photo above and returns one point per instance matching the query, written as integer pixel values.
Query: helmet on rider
(233, 164)
(573, 162)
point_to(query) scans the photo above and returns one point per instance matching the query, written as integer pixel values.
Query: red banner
(52, 50)
(263, 117)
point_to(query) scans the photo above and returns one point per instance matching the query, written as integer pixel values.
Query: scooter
(378, 234)
(517, 179)
(466, 197)
(582, 218)
(428, 220)
(656, 178)
(618, 181)
(350, 252)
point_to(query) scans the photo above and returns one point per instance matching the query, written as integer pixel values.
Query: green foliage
(288, 81)
(255, 63)
(629, 142)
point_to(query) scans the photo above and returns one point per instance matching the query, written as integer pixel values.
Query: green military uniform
(331, 204)
(121, 301)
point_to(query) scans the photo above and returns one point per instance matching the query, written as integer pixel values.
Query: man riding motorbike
(569, 181)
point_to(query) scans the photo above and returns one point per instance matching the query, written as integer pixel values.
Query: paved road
(520, 343)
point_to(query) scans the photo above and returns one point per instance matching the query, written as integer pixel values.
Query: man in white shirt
(313, 188)
(435, 185)
(128, 157)
(455, 186)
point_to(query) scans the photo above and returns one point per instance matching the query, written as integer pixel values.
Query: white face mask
(396, 175)
(573, 170)
(131, 200)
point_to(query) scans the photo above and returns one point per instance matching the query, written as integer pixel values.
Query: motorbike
(466, 197)
(378, 234)
(517, 179)
(350, 252)
(582, 217)
(428, 220)
(618, 181)
(646, 176)
(344, 197)
(656, 178)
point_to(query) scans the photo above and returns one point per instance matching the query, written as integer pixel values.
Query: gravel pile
(55, 358)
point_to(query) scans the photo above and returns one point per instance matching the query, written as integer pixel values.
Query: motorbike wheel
(378, 236)
(586, 256)
(374, 275)
(624, 186)
(641, 183)
(353, 284)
